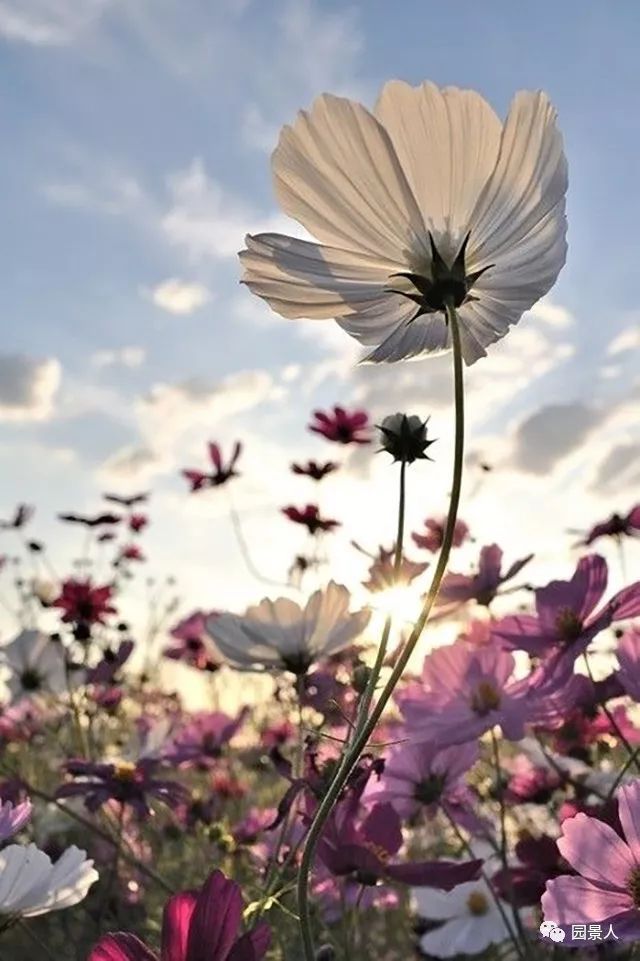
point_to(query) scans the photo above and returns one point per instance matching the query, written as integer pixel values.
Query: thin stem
(611, 718)
(244, 550)
(360, 740)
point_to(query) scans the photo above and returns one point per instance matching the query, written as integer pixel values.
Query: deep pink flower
(194, 646)
(483, 586)
(432, 539)
(530, 784)
(342, 426)
(198, 925)
(310, 518)
(21, 517)
(628, 654)
(137, 522)
(382, 573)
(127, 782)
(314, 470)
(106, 670)
(617, 526)
(607, 886)
(201, 742)
(130, 552)
(13, 818)
(566, 620)
(538, 861)
(83, 603)
(277, 733)
(465, 691)
(221, 472)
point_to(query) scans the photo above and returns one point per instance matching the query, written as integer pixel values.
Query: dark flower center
(124, 771)
(298, 663)
(568, 625)
(485, 698)
(430, 789)
(30, 680)
(84, 610)
(193, 643)
(633, 886)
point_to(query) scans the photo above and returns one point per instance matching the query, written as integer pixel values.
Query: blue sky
(136, 138)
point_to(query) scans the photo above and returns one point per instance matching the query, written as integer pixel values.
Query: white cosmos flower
(31, 885)
(36, 664)
(471, 919)
(429, 178)
(282, 635)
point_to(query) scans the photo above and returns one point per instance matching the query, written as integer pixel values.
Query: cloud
(179, 296)
(553, 314)
(626, 340)
(47, 23)
(131, 463)
(551, 434)
(619, 469)
(28, 387)
(120, 357)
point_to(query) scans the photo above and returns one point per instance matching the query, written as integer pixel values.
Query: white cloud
(27, 387)
(131, 463)
(553, 314)
(45, 23)
(179, 296)
(619, 469)
(626, 340)
(551, 434)
(120, 357)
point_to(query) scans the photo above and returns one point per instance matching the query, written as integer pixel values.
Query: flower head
(83, 603)
(130, 783)
(310, 518)
(33, 885)
(405, 438)
(426, 200)
(194, 646)
(282, 635)
(433, 538)
(616, 526)
(221, 472)
(341, 426)
(382, 573)
(202, 740)
(13, 818)
(200, 925)
(314, 470)
(37, 665)
(483, 586)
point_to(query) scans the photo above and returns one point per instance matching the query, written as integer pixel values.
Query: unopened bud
(361, 675)
(405, 437)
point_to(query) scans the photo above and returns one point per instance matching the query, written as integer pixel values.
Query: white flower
(471, 919)
(430, 184)
(282, 635)
(31, 885)
(36, 664)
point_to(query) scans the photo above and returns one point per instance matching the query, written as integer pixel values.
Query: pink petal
(626, 603)
(568, 900)
(594, 850)
(252, 946)
(175, 925)
(121, 947)
(629, 813)
(591, 575)
(633, 517)
(215, 920)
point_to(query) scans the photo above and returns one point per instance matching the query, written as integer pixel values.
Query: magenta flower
(483, 586)
(197, 926)
(83, 603)
(138, 522)
(194, 646)
(221, 472)
(13, 818)
(201, 742)
(382, 573)
(617, 526)
(607, 886)
(432, 539)
(466, 691)
(628, 654)
(310, 518)
(565, 622)
(127, 782)
(107, 669)
(422, 778)
(315, 471)
(341, 426)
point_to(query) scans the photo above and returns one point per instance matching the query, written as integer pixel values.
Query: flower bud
(405, 437)
(361, 675)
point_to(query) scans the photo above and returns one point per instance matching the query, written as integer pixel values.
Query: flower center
(633, 886)
(485, 698)
(124, 771)
(448, 284)
(568, 625)
(430, 789)
(30, 680)
(477, 903)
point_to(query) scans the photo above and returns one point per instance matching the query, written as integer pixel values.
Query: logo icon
(549, 929)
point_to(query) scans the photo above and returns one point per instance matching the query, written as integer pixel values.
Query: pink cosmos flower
(628, 654)
(310, 518)
(617, 526)
(221, 472)
(382, 573)
(194, 646)
(13, 818)
(315, 471)
(201, 742)
(198, 925)
(566, 620)
(127, 782)
(109, 666)
(432, 539)
(83, 603)
(130, 552)
(607, 886)
(341, 426)
(466, 691)
(483, 586)
(137, 522)
(528, 783)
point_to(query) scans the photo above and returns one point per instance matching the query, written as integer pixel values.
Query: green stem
(361, 738)
(610, 717)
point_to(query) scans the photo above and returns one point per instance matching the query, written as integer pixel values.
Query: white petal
(302, 279)
(67, 884)
(447, 142)
(23, 869)
(427, 334)
(336, 173)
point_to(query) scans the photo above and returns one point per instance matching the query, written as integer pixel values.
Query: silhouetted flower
(220, 474)
(310, 518)
(314, 470)
(405, 437)
(617, 526)
(342, 426)
(434, 536)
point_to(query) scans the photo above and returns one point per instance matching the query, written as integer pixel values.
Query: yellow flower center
(485, 698)
(633, 886)
(124, 770)
(477, 903)
(381, 853)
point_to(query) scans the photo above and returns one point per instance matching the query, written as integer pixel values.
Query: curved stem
(244, 549)
(361, 737)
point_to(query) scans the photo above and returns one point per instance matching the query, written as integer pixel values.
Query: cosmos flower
(382, 573)
(31, 885)
(628, 654)
(341, 426)
(36, 663)
(405, 437)
(221, 472)
(537, 861)
(314, 470)
(129, 783)
(566, 620)
(607, 885)
(13, 818)
(201, 741)
(427, 197)
(310, 518)
(109, 666)
(483, 586)
(471, 920)
(194, 646)
(617, 526)
(434, 536)
(83, 603)
(138, 522)
(282, 635)
(130, 552)
(196, 924)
